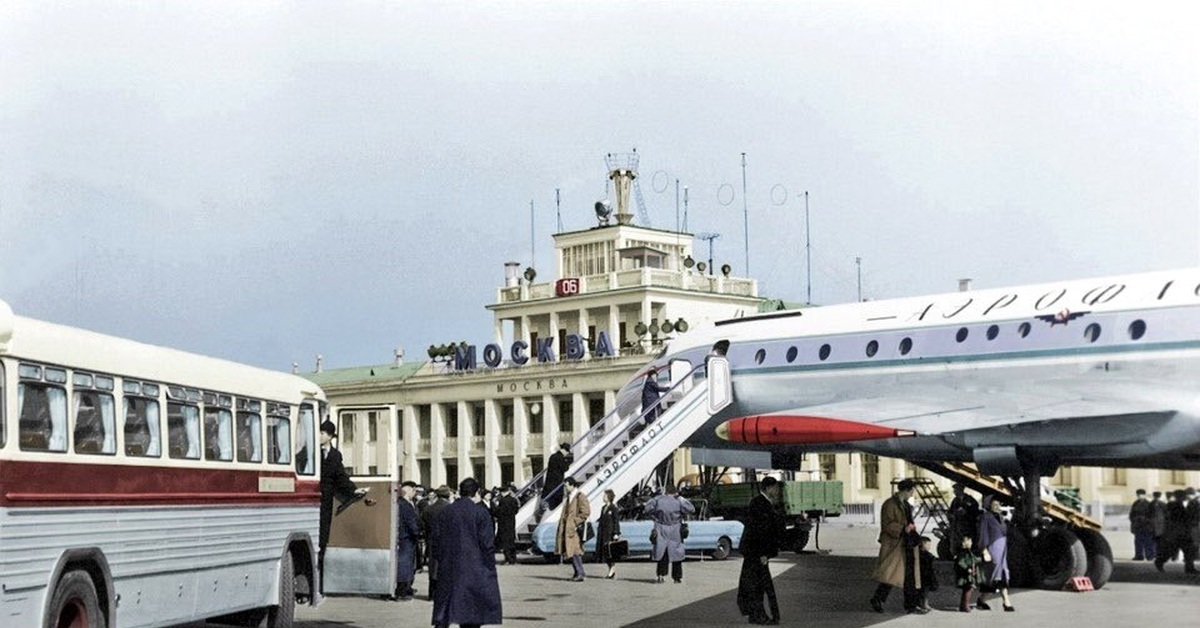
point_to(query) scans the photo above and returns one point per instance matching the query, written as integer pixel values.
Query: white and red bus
(145, 486)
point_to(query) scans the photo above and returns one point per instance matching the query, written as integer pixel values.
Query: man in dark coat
(651, 392)
(441, 500)
(760, 543)
(468, 592)
(556, 470)
(1141, 524)
(334, 483)
(505, 513)
(1192, 547)
(1176, 536)
(1158, 516)
(964, 517)
(407, 533)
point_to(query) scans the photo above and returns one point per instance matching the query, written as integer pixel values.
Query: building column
(491, 443)
(559, 352)
(526, 329)
(550, 431)
(437, 444)
(465, 470)
(610, 401)
(498, 331)
(583, 329)
(520, 435)
(410, 470)
(579, 422)
(614, 326)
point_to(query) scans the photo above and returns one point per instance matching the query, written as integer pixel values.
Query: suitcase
(618, 549)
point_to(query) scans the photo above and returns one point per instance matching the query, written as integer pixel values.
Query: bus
(146, 486)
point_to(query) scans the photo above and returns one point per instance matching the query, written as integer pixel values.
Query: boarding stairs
(969, 476)
(619, 452)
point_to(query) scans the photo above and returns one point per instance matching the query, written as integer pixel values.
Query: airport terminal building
(559, 351)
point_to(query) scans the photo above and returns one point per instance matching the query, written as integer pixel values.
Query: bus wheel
(724, 547)
(1059, 557)
(1099, 556)
(282, 616)
(75, 603)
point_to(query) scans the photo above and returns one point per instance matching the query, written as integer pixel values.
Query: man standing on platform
(760, 543)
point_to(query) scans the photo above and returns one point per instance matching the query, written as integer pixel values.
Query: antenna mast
(532, 240)
(808, 250)
(558, 209)
(745, 215)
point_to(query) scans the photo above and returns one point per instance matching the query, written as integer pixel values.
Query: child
(967, 573)
(928, 575)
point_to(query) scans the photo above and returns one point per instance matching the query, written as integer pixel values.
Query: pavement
(829, 588)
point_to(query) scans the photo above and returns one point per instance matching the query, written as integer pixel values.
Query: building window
(828, 465)
(1178, 477)
(533, 410)
(595, 410)
(1114, 477)
(372, 426)
(424, 422)
(566, 415)
(478, 416)
(506, 418)
(870, 470)
(450, 416)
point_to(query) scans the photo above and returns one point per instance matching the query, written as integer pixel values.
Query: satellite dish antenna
(603, 211)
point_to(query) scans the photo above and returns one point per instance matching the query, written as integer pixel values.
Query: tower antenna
(745, 215)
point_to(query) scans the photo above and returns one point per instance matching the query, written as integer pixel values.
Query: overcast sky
(267, 181)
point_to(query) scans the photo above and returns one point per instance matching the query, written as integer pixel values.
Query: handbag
(683, 530)
(618, 549)
(586, 532)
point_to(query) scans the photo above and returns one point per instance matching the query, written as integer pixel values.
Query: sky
(269, 181)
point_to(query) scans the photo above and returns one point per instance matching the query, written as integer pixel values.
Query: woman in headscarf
(668, 511)
(993, 538)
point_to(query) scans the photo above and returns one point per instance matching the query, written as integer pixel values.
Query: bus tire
(1059, 557)
(75, 603)
(1099, 556)
(283, 615)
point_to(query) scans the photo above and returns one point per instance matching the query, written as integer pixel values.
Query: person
(608, 529)
(407, 533)
(505, 513)
(440, 501)
(898, 565)
(335, 483)
(929, 582)
(1193, 526)
(1158, 517)
(468, 591)
(1141, 524)
(993, 539)
(759, 544)
(651, 392)
(966, 573)
(667, 511)
(568, 542)
(556, 468)
(964, 515)
(1175, 532)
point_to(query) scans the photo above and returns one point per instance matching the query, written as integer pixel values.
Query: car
(714, 538)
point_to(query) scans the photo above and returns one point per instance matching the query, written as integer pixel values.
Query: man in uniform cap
(1141, 525)
(334, 483)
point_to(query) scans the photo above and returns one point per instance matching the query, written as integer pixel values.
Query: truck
(802, 504)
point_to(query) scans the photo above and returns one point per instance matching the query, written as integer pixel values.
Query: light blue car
(715, 538)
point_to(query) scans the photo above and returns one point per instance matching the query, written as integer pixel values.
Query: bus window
(305, 464)
(183, 431)
(218, 432)
(43, 420)
(141, 427)
(279, 433)
(95, 420)
(249, 434)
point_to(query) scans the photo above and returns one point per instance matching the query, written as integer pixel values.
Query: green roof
(355, 374)
(774, 305)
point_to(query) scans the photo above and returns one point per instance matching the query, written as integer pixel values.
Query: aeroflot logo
(640, 443)
(465, 357)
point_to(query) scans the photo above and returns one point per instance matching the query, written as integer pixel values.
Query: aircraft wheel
(1059, 557)
(1099, 556)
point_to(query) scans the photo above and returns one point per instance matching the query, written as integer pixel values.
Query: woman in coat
(567, 542)
(668, 512)
(993, 538)
(608, 530)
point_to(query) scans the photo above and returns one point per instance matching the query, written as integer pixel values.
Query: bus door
(361, 555)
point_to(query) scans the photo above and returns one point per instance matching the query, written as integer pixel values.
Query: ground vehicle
(801, 504)
(716, 538)
(148, 486)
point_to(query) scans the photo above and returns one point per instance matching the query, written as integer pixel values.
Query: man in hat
(964, 516)
(1141, 524)
(407, 533)
(505, 513)
(759, 544)
(468, 591)
(334, 483)
(556, 470)
(441, 499)
(899, 545)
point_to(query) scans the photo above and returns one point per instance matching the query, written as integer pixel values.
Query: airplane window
(759, 356)
(1137, 329)
(792, 352)
(1023, 329)
(905, 346)
(962, 334)
(1092, 333)
(872, 348)
(824, 353)
(993, 331)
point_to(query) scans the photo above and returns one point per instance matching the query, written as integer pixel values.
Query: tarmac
(827, 588)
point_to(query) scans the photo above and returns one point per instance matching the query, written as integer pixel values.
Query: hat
(905, 485)
(328, 427)
(1140, 491)
(1157, 493)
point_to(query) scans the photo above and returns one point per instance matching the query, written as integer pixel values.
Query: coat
(651, 391)
(1158, 515)
(505, 513)
(967, 568)
(575, 512)
(407, 533)
(993, 536)
(334, 483)
(893, 519)
(468, 591)
(1141, 517)
(668, 511)
(760, 537)
(556, 470)
(608, 528)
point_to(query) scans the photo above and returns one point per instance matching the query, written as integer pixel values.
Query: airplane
(1018, 381)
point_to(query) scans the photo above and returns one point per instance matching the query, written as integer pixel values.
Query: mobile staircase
(620, 451)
